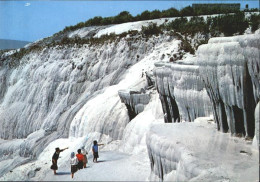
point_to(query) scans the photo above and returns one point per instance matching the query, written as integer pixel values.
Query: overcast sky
(33, 20)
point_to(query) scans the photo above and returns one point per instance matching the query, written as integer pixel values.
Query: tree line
(228, 25)
(181, 28)
(125, 16)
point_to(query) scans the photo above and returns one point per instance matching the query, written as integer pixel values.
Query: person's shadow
(102, 161)
(63, 173)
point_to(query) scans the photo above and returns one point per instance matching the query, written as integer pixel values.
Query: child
(74, 164)
(95, 150)
(85, 159)
(80, 158)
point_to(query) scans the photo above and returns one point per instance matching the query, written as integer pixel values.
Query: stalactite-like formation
(181, 91)
(229, 68)
(134, 101)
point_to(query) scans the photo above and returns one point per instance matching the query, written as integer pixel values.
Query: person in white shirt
(74, 164)
(85, 159)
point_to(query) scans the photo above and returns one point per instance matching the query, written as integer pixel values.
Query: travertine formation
(181, 91)
(75, 91)
(227, 69)
(223, 76)
(134, 101)
(45, 91)
(230, 70)
(198, 152)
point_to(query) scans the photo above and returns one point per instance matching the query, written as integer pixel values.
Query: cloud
(27, 4)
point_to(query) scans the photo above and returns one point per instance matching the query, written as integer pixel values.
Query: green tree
(137, 17)
(172, 12)
(107, 21)
(187, 11)
(151, 29)
(94, 21)
(178, 24)
(230, 24)
(123, 17)
(255, 22)
(145, 15)
(155, 14)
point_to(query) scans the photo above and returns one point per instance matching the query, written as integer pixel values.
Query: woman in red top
(80, 157)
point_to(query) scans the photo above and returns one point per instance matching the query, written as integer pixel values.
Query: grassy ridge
(125, 16)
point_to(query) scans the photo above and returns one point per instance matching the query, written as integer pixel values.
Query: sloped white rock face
(130, 26)
(86, 32)
(181, 91)
(52, 84)
(230, 68)
(59, 92)
(112, 114)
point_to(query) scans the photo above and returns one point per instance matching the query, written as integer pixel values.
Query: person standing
(55, 158)
(74, 164)
(85, 159)
(95, 150)
(80, 159)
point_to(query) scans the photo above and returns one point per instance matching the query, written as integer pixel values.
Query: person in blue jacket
(95, 150)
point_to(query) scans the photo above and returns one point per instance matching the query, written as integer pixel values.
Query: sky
(33, 20)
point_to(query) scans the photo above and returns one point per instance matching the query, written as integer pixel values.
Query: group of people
(77, 161)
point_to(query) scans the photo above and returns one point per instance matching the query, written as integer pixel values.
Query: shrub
(155, 14)
(172, 12)
(255, 22)
(195, 25)
(145, 15)
(187, 11)
(107, 21)
(94, 21)
(177, 25)
(230, 24)
(151, 29)
(123, 17)
(185, 45)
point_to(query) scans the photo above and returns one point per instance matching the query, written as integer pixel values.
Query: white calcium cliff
(227, 69)
(60, 92)
(230, 70)
(181, 91)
